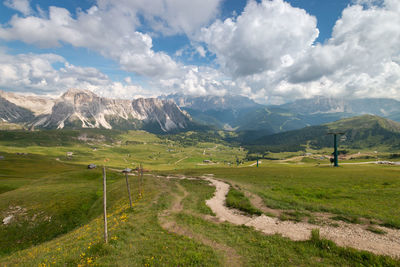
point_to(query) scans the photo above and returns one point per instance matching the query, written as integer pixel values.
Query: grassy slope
(237, 200)
(57, 194)
(137, 239)
(121, 149)
(361, 132)
(359, 190)
(53, 197)
(71, 195)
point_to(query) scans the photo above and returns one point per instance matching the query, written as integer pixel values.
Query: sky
(273, 51)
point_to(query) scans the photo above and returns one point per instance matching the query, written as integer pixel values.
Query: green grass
(369, 191)
(296, 216)
(237, 200)
(348, 219)
(376, 230)
(196, 202)
(47, 199)
(61, 201)
(257, 249)
(120, 148)
(136, 238)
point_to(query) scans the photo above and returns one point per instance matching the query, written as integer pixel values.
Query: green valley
(53, 202)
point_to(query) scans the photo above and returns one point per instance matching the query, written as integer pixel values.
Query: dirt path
(257, 202)
(231, 258)
(352, 163)
(180, 160)
(253, 164)
(120, 171)
(347, 235)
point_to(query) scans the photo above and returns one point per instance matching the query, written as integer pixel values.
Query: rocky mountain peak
(78, 108)
(79, 96)
(37, 104)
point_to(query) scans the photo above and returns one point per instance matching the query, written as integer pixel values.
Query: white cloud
(169, 16)
(200, 50)
(265, 36)
(269, 52)
(106, 31)
(35, 73)
(361, 58)
(196, 81)
(111, 28)
(22, 6)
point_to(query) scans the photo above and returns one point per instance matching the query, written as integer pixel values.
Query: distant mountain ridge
(204, 103)
(9, 112)
(241, 114)
(320, 104)
(366, 131)
(220, 111)
(84, 109)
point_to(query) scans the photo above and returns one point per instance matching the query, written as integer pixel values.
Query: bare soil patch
(231, 258)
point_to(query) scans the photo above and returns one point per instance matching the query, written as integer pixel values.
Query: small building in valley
(92, 166)
(126, 170)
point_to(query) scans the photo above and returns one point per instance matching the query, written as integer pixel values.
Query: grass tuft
(390, 224)
(358, 258)
(237, 200)
(348, 219)
(376, 230)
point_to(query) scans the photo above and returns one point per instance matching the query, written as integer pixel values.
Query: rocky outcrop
(9, 112)
(84, 109)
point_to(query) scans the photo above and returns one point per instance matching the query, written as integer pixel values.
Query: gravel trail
(346, 235)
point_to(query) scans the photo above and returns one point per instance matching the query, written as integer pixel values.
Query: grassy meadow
(370, 191)
(119, 149)
(56, 202)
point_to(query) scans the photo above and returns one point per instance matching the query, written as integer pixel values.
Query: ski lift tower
(335, 151)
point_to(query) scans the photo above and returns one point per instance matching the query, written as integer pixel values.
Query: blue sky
(270, 50)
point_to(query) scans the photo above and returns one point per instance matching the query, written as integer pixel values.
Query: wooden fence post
(129, 190)
(105, 204)
(141, 179)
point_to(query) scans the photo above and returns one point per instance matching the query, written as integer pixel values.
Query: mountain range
(243, 115)
(222, 112)
(84, 109)
(366, 131)
(177, 112)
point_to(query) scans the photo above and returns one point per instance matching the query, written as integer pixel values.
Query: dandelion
(89, 260)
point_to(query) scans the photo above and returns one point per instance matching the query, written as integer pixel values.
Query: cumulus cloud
(22, 6)
(270, 54)
(169, 16)
(111, 28)
(265, 36)
(35, 73)
(200, 50)
(267, 52)
(106, 31)
(197, 81)
(362, 56)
